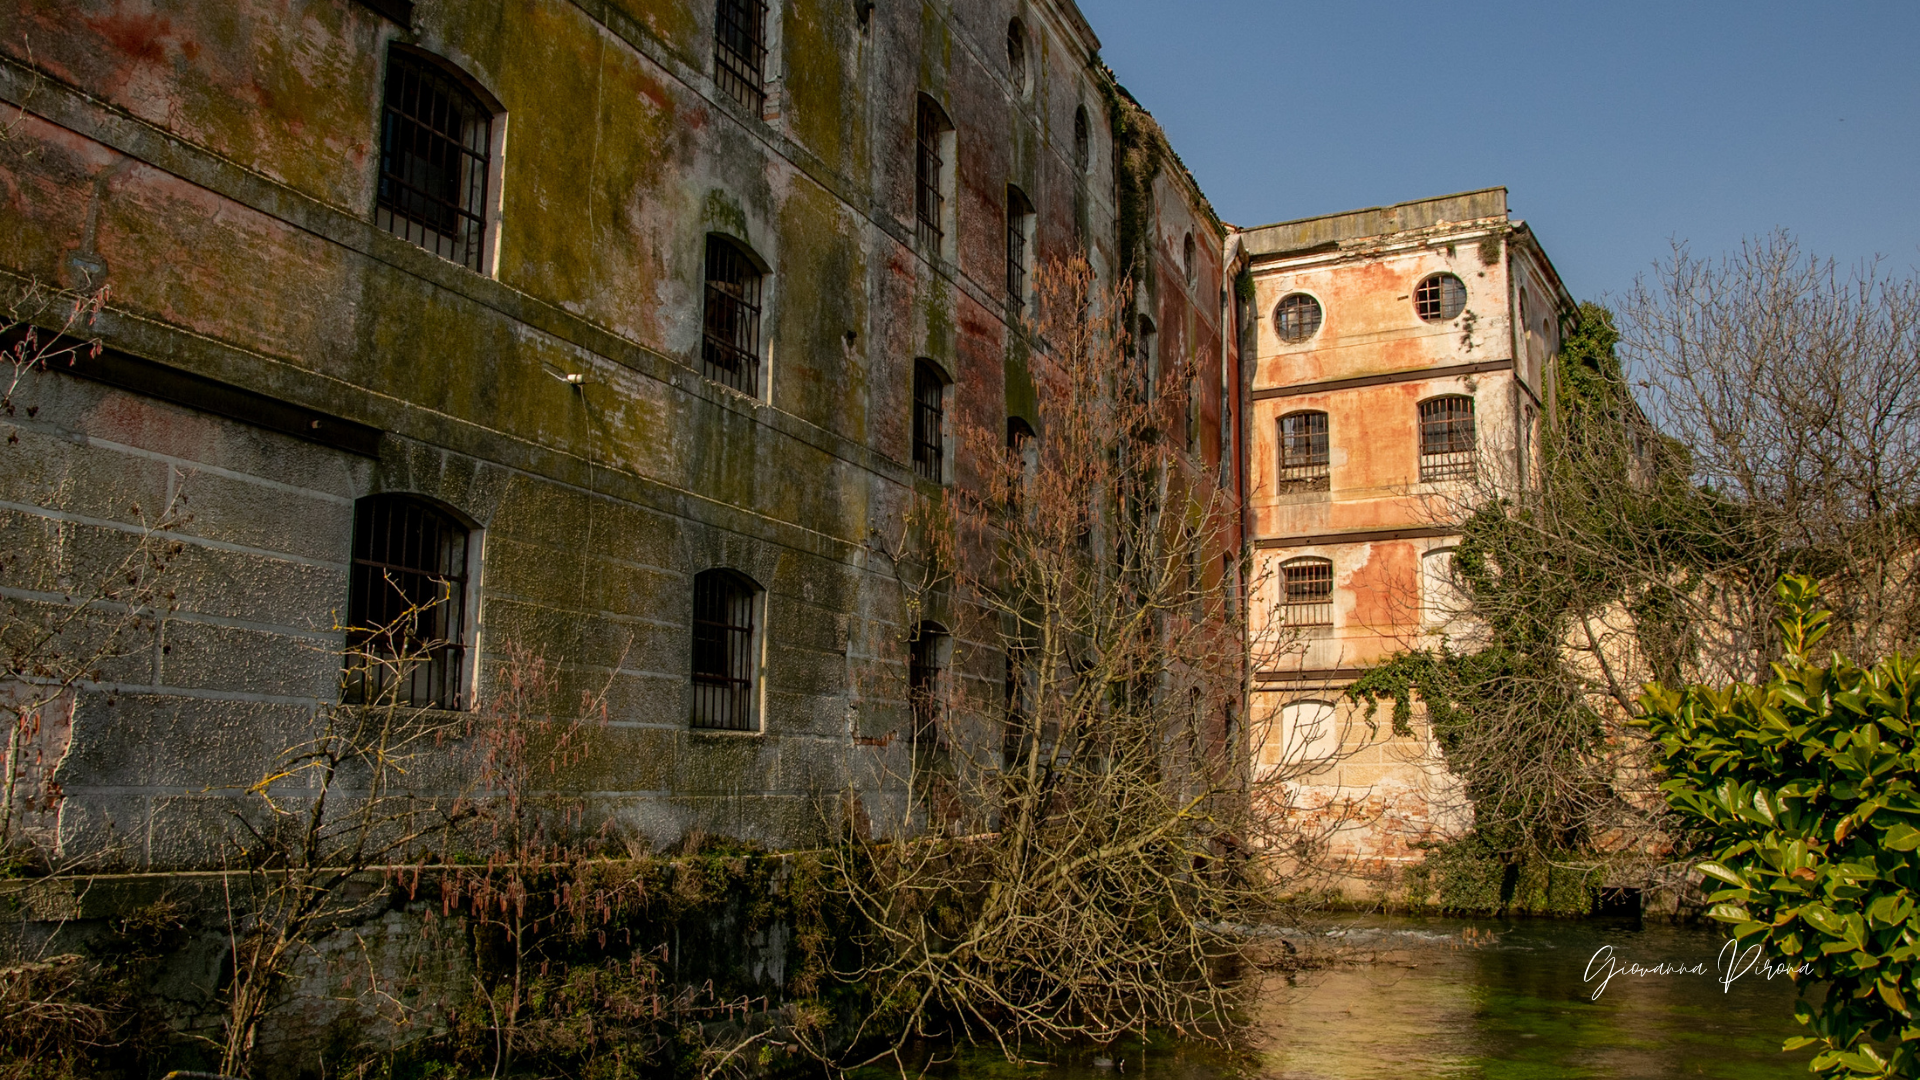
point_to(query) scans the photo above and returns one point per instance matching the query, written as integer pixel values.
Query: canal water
(1417, 998)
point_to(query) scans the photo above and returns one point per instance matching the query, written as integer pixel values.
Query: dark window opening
(1297, 318)
(1019, 220)
(1307, 592)
(1440, 297)
(926, 684)
(929, 201)
(1186, 257)
(434, 140)
(1020, 458)
(730, 341)
(1303, 452)
(1446, 438)
(406, 604)
(929, 421)
(1017, 56)
(1082, 136)
(723, 659)
(740, 51)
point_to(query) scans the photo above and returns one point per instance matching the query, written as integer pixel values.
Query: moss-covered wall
(220, 160)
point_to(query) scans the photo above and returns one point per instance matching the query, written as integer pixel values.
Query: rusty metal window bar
(1440, 297)
(929, 421)
(1307, 592)
(730, 338)
(1303, 452)
(929, 203)
(926, 685)
(406, 605)
(1297, 318)
(1019, 218)
(434, 140)
(1446, 438)
(723, 659)
(740, 51)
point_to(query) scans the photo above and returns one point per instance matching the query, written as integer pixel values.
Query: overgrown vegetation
(1803, 789)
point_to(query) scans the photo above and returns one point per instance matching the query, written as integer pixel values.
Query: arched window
(1186, 257)
(933, 138)
(1446, 438)
(926, 682)
(740, 51)
(1082, 140)
(1440, 297)
(1309, 736)
(1017, 57)
(1306, 586)
(1019, 240)
(1303, 452)
(407, 604)
(1441, 599)
(730, 335)
(436, 138)
(1022, 457)
(929, 421)
(1297, 318)
(725, 656)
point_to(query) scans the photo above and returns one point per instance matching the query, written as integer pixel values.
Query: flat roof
(1305, 233)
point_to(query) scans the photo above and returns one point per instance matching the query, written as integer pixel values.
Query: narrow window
(1021, 458)
(1017, 57)
(1446, 438)
(926, 683)
(1440, 297)
(723, 652)
(740, 51)
(929, 182)
(730, 336)
(1186, 257)
(929, 421)
(1019, 228)
(406, 604)
(1303, 452)
(1441, 598)
(435, 137)
(1307, 592)
(1082, 152)
(1297, 318)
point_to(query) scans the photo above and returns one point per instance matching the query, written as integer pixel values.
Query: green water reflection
(1484, 999)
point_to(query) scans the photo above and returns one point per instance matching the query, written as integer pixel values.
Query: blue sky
(1616, 127)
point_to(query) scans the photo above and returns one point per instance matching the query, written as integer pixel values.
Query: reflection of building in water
(1395, 359)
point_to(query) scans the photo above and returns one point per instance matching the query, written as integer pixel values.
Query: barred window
(435, 137)
(406, 604)
(1019, 225)
(1303, 452)
(1082, 137)
(1307, 592)
(1297, 318)
(1017, 57)
(926, 683)
(929, 421)
(730, 337)
(1440, 297)
(723, 652)
(740, 51)
(929, 183)
(1446, 438)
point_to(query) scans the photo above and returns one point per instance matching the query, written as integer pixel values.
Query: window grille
(929, 203)
(1307, 598)
(1017, 56)
(929, 422)
(730, 341)
(1082, 152)
(1446, 438)
(926, 688)
(1019, 216)
(740, 52)
(1297, 318)
(406, 604)
(434, 140)
(1303, 452)
(723, 659)
(1440, 297)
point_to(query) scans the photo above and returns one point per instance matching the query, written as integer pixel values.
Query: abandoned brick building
(617, 329)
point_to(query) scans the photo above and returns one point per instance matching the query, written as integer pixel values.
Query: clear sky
(1616, 127)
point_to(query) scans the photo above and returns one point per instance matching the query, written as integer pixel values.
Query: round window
(1297, 318)
(1440, 297)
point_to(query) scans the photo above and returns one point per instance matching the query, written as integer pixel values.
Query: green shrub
(1804, 789)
